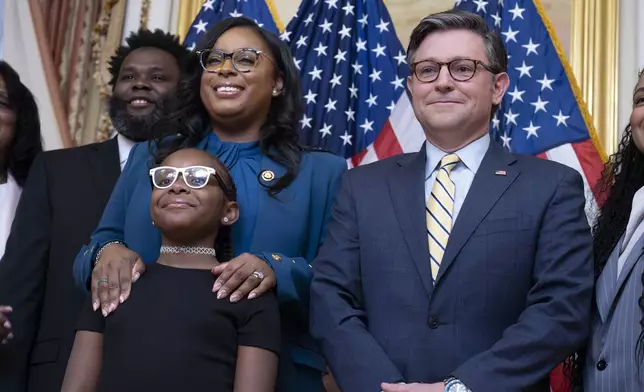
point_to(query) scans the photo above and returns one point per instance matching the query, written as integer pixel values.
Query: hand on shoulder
(5, 325)
(116, 269)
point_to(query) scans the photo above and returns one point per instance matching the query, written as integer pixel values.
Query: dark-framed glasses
(460, 70)
(243, 59)
(196, 177)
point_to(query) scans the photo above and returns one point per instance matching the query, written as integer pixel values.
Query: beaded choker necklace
(190, 250)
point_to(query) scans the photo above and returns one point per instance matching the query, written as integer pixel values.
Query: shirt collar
(125, 145)
(471, 155)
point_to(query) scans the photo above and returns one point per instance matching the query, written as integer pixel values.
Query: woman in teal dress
(246, 113)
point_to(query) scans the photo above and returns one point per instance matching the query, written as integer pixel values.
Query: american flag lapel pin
(500, 172)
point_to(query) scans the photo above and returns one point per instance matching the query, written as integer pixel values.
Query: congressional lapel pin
(500, 173)
(267, 175)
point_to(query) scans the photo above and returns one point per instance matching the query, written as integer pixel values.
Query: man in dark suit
(61, 204)
(476, 272)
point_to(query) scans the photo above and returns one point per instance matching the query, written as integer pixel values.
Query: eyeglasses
(243, 59)
(461, 70)
(196, 177)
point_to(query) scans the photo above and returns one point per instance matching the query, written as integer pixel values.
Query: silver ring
(259, 275)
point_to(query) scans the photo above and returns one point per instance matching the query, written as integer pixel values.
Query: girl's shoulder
(264, 306)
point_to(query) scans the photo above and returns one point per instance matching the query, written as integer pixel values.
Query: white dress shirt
(634, 229)
(463, 173)
(125, 145)
(9, 197)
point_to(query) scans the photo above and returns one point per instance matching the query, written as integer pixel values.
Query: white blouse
(9, 197)
(634, 229)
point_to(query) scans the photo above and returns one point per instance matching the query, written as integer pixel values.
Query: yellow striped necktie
(438, 212)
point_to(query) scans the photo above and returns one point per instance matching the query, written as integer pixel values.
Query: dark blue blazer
(514, 290)
(289, 230)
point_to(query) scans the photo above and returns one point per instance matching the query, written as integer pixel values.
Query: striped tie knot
(449, 161)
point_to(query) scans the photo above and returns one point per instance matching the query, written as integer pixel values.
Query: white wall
(2, 16)
(161, 15)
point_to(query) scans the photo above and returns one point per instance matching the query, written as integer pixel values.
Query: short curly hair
(149, 39)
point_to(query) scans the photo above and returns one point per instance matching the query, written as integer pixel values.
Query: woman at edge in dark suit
(20, 142)
(247, 115)
(613, 358)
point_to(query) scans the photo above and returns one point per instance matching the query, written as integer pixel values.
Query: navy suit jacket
(513, 295)
(289, 230)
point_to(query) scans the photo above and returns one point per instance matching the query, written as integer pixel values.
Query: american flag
(353, 71)
(214, 11)
(542, 112)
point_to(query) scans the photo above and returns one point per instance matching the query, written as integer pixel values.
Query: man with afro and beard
(62, 203)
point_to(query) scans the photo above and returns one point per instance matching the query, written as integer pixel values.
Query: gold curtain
(106, 38)
(594, 56)
(188, 10)
(67, 30)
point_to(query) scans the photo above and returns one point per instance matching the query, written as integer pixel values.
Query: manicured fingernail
(112, 307)
(252, 295)
(7, 324)
(234, 298)
(104, 311)
(95, 305)
(216, 287)
(135, 277)
(122, 298)
(221, 294)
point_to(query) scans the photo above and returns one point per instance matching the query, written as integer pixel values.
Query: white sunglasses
(196, 177)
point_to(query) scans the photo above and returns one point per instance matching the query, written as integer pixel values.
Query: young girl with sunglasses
(172, 334)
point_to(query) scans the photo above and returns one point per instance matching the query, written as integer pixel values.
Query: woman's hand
(112, 278)
(243, 275)
(5, 324)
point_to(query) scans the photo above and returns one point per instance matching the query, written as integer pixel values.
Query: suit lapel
(105, 168)
(407, 189)
(486, 189)
(613, 294)
(604, 290)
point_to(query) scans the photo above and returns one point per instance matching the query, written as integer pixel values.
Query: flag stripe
(565, 155)
(387, 143)
(591, 164)
(408, 130)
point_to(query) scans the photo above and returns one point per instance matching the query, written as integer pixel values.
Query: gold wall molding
(594, 55)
